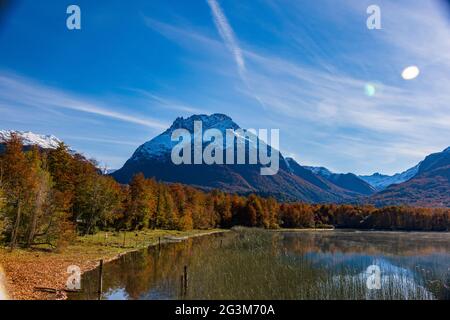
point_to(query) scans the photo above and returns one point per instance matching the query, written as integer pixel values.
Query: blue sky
(300, 66)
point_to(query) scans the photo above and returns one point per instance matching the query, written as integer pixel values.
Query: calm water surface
(257, 264)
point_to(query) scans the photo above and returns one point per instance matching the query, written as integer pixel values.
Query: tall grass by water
(259, 264)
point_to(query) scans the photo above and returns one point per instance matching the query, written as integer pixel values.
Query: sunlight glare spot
(410, 73)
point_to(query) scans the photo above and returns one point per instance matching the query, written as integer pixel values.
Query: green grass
(132, 239)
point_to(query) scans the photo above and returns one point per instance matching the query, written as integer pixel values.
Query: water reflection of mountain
(419, 265)
(267, 265)
(374, 242)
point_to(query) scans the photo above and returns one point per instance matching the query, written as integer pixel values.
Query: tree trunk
(16, 226)
(33, 225)
(39, 202)
(89, 225)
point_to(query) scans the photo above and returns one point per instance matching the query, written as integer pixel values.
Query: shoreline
(26, 269)
(355, 230)
(163, 241)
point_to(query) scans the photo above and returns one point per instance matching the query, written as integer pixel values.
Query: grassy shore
(26, 269)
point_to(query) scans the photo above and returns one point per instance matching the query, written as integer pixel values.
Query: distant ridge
(381, 181)
(430, 187)
(29, 139)
(348, 181)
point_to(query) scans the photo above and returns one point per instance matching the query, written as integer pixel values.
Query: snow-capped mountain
(31, 139)
(380, 181)
(162, 145)
(429, 186)
(153, 159)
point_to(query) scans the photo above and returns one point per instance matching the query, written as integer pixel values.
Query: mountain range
(380, 181)
(293, 181)
(153, 158)
(348, 181)
(426, 184)
(429, 187)
(29, 139)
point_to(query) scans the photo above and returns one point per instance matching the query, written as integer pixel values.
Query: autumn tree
(140, 208)
(166, 210)
(42, 196)
(18, 186)
(95, 197)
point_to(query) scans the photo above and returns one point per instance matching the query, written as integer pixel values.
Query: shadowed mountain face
(430, 187)
(348, 181)
(435, 161)
(154, 161)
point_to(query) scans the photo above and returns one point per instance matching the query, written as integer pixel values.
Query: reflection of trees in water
(253, 264)
(386, 243)
(145, 271)
(426, 256)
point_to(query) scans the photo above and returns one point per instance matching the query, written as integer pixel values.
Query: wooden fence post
(185, 280)
(100, 280)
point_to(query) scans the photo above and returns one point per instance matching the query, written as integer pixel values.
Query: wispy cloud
(167, 103)
(318, 92)
(229, 38)
(227, 34)
(17, 91)
(104, 140)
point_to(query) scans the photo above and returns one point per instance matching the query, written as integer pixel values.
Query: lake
(258, 264)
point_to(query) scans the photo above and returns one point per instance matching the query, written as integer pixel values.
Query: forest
(51, 196)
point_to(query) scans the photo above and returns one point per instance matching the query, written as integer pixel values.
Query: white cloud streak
(324, 102)
(229, 38)
(16, 91)
(167, 103)
(227, 34)
(103, 140)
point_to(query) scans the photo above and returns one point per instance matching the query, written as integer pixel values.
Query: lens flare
(410, 73)
(370, 90)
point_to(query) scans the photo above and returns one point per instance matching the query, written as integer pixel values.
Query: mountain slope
(430, 187)
(381, 181)
(348, 181)
(435, 161)
(153, 160)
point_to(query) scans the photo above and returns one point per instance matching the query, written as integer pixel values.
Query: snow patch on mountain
(321, 171)
(30, 139)
(215, 121)
(161, 146)
(381, 181)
